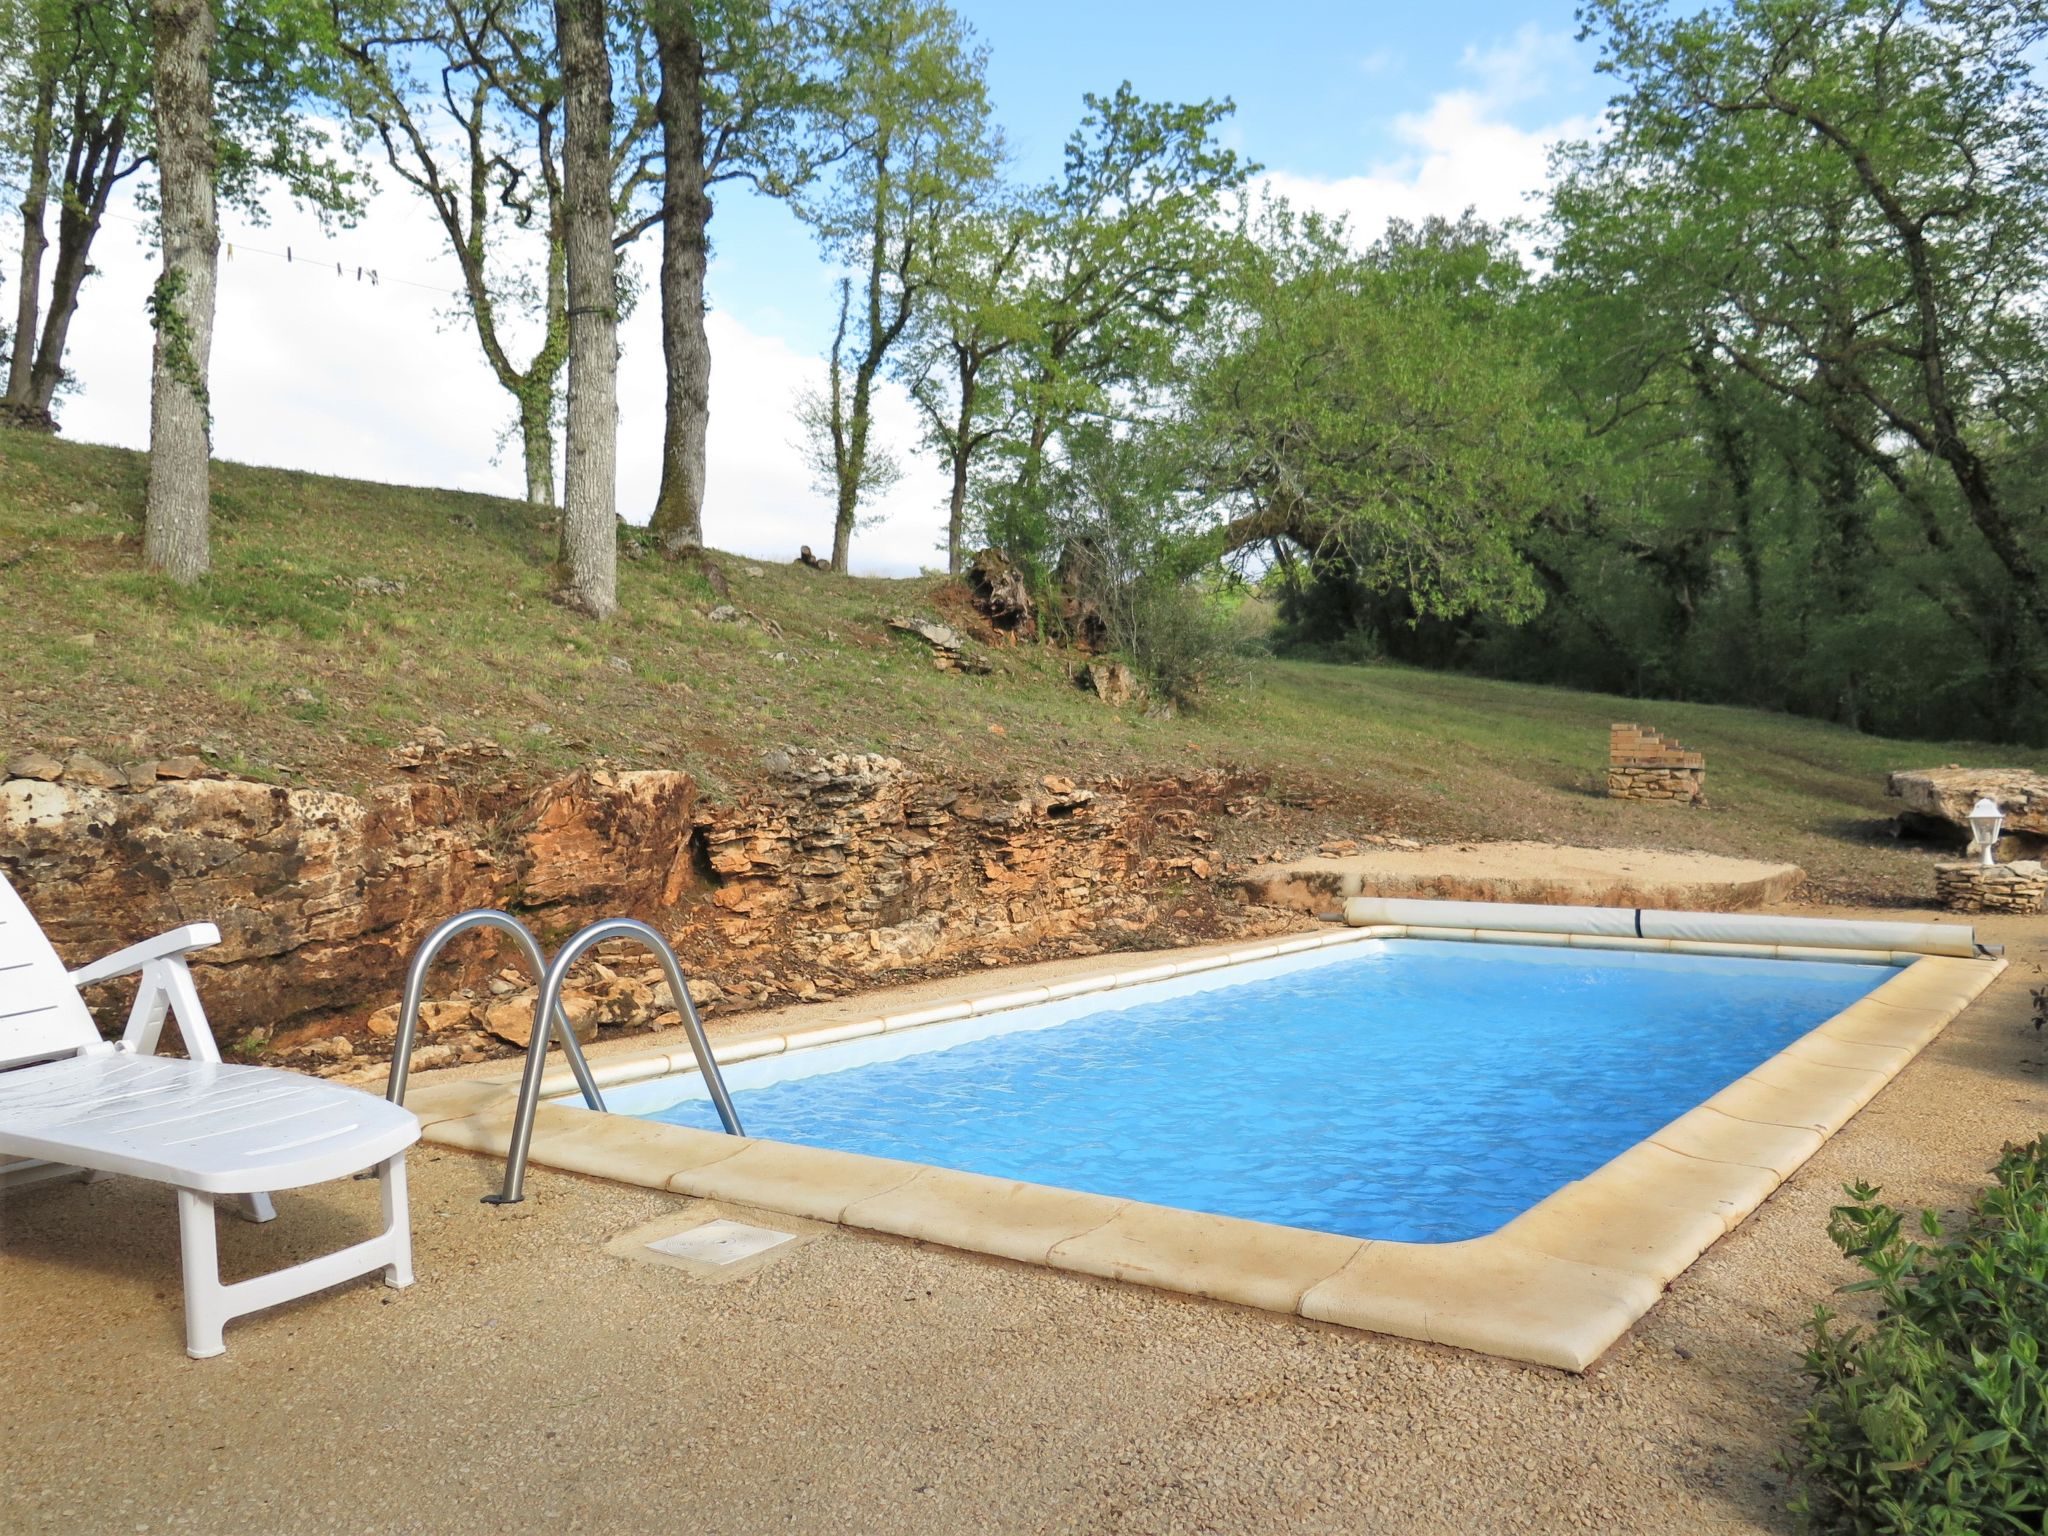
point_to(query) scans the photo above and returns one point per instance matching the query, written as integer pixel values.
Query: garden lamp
(1985, 820)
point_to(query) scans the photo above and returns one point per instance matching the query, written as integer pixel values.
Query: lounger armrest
(165, 946)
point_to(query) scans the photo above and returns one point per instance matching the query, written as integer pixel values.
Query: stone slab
(1527, 872)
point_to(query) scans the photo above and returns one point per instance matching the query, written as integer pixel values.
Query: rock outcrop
(321, 897)
(1935, 802)
(832, 866)
(859, 862)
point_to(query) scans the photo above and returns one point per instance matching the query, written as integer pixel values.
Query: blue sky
(1321, 90)
(1375, 112)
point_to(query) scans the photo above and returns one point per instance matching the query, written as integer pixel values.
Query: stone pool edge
(1555, 1286)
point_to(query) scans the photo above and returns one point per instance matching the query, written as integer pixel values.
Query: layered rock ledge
(831, 866)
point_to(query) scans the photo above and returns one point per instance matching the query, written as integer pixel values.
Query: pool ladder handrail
(416, 989)
(549, 1005)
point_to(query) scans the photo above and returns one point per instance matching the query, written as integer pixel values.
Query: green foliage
(1126, 565)
(1796, 302)
(1934, 1420)
(1126, 258)
(906, 126)
(1381, 412)
(173, 326)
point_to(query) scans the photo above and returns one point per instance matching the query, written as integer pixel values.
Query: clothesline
(291, 257)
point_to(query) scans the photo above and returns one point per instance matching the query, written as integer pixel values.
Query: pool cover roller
(1955, 939)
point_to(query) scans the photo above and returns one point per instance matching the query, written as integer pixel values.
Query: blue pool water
(1411, 1090)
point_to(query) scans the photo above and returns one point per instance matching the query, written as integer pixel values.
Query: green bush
(1935, 1419)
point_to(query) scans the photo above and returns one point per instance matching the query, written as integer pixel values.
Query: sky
(1374, 111)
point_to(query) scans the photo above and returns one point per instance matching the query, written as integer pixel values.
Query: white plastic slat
(201, 1125)
(41, 1013)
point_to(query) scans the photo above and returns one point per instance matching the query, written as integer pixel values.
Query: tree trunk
(537, 440)
(588, 576)
(853, 469)
(175, 518)
(963, 453)
(35, 200)
(85, 201)
(686, 351)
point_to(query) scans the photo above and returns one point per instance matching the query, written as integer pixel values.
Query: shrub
(1935, 1419)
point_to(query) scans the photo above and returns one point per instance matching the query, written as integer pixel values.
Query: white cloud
(326, 372)
(1462, 151)
(1521, 68)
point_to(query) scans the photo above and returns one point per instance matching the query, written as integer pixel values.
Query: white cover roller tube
(1955, 939)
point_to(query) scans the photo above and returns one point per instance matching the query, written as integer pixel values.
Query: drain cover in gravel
(720, 1242)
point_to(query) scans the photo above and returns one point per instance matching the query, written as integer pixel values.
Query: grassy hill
(345, 615)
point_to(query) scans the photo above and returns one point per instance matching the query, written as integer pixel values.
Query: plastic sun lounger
(72, 1103)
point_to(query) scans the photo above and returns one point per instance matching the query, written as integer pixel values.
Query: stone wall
(2020, 888)
(320, 896)
(1642, 765)
(829, 868)
(862, 864)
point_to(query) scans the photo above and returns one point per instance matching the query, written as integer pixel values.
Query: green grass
(284, 667)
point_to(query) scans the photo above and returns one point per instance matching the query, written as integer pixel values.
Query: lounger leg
(397, 1221)
(257, 1207)
(205, 1312)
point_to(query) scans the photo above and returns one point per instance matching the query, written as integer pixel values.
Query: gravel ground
(530, 1381)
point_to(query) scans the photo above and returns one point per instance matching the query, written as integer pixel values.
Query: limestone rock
(1938, 800)
(624, 837)
(322, 897)
(511, 1018)
(857, 863)
(180, 767)
(1110, 681)
(83, 768)
(431, 748)
(949, 646)
(35, 765)
(829, 866)
(436, 1018)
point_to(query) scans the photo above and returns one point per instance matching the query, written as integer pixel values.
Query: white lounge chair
(73, 1103)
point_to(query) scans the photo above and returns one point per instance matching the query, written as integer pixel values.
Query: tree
(1126, 261)
(908, 114)
(478, 138)
(736, 76)
(175, 528)
(78, 79)
(1381, 414)
(77, 75)
(1845, 197)
(978, 311)
(465, 99)
(587, 575)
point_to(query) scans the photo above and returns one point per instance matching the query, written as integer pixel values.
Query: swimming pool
(1496, 1111)
(1417, 1091)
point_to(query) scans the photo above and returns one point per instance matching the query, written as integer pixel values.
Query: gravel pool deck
(532, 1381)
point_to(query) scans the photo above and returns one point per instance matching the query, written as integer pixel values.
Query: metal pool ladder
(549, 1020)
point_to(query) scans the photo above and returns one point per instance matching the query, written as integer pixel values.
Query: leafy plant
(1935, 1419)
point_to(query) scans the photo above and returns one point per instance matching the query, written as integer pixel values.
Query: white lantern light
(1985, 820)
